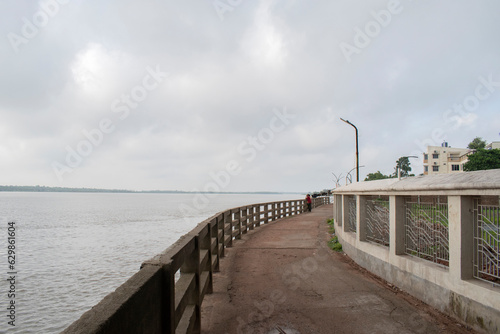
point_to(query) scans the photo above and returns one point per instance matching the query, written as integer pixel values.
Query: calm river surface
(72, 249)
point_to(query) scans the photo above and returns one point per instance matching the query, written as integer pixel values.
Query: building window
(435, 156)
(426, 156)
(426, 168)
(455, 167)
(435, 168)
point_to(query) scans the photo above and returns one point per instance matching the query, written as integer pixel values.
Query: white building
(493, 145)
(444, 159)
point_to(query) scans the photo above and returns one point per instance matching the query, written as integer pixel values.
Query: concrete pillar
(461, 236)
(361, 217)
(337, 214)
(345, 213)
(397, 216)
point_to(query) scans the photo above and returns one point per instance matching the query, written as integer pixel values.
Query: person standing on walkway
(309, 202)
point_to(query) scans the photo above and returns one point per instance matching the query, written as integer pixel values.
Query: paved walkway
(283, 278)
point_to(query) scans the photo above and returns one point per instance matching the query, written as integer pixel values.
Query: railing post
(237, 223)
(228, 228)
(251, 217)
(168, 299)
(220, 235)
(191, 265)
(268, 213)
(257, 212)
(243, 220)
(205, 243)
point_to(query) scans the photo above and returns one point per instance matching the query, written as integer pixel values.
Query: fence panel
(377, 221)
(426, 231)
(351, 214)
(486, 242)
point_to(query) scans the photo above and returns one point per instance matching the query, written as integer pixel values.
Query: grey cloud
(227, 76)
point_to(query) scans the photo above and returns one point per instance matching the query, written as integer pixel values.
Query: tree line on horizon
(39, 188)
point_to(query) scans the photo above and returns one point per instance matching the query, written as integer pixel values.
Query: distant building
(493, 145)
(444, 159)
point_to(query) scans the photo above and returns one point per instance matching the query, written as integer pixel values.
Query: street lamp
(348, 176)
(357, 153)
(399, 164)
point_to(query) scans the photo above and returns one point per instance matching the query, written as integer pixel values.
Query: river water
(72, 249)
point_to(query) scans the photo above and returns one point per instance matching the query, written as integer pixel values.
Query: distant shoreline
(96, 190)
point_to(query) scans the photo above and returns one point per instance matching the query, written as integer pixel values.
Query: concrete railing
(436, 237)
(165, 296)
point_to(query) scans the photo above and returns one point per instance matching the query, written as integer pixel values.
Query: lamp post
(348, 176)
(357, 152)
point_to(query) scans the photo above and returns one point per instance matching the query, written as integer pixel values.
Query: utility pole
(357, 152)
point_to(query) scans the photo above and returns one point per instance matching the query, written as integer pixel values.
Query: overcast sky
(237, 95)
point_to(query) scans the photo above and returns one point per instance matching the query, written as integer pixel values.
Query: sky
(239, 95)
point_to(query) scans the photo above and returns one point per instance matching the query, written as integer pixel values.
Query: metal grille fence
(426, 231)
(377, 221)
(351, 218)
(486, 242)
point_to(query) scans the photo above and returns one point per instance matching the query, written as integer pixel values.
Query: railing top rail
(169, 255)
(260, 204)
(478, 180)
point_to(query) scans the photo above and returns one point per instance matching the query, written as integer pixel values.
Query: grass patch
(332, 226)
(334, 243)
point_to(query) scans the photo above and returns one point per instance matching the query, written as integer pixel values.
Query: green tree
(403, 163)
(376, 176)
(483, 159)
(477, 143)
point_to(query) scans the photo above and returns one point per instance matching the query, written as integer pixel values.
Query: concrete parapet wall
(451, 285)
(139, 298)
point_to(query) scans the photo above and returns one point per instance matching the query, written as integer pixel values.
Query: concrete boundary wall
(451, 288)
(165, 296)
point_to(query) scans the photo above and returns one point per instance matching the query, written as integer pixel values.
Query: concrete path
(283, 278)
